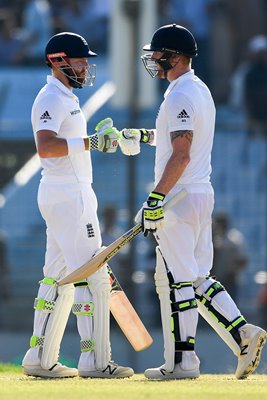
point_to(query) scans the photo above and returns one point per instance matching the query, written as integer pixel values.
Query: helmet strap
(164, 63)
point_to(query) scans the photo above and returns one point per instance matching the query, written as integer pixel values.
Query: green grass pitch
(16, 386)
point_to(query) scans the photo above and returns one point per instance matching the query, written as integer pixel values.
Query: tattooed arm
(180, 157)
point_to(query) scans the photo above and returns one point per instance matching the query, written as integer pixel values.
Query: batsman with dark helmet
(68, 205)
(183, 138)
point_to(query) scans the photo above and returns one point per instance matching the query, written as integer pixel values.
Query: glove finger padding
(130, 141)
(104, 124)
(129, 147)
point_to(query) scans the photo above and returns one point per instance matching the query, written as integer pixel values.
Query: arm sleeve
(179, 113)
(48, 113)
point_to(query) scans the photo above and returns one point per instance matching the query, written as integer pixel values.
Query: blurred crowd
(27, 25)
(223, 29)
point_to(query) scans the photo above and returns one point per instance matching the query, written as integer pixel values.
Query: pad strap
(37, 341)
(81, 284)
(44, 305)
(87, 345)
(189, 345)
(179, 285)
(83, 309)
(184, 305)
(49, 281)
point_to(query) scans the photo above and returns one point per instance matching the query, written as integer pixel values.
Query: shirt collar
(184, 77)
(63, 88)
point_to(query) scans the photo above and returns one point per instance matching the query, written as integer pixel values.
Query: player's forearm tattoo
(187, 134)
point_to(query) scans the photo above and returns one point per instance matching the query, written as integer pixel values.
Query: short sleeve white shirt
(57, 109)
(187, 105)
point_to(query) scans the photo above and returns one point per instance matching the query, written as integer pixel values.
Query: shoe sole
(47, 374)
(261, 340)
(97, 375)
(172, 376)
(102, 375)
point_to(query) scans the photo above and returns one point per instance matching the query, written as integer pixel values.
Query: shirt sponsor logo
(74, 112)
(45, 116)
(90, 230)
(183, 115)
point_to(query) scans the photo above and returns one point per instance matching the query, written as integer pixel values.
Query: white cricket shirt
(57, 109)
(188, 105)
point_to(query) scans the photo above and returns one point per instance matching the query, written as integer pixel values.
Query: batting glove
(106, 138)
(153, 214)
(130, 140)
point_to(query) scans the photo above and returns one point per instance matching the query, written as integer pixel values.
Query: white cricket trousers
(73, 232)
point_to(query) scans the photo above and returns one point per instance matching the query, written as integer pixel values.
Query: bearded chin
(77, 84)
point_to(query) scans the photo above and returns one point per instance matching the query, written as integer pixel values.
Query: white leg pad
(99, 286)
(224, 304)
(163, 291)
(52, 309)
(56, 326)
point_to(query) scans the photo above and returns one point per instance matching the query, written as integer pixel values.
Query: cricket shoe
(253, 339)
(57, 371)
(178, 373)
(112, 371)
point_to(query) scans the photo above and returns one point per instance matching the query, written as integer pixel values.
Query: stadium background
(239, 176)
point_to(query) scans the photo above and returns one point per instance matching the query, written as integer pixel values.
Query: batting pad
(220, 311)
(56, 326)
(99, 286)
(163, 291)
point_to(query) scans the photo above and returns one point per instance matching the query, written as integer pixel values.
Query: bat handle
(167, 206)
(178, 197)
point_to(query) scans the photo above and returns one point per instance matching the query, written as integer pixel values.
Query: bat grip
(167, 206)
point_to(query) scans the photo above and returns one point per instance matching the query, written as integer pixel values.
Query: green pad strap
(237, 323)
(44, 305)
(49, 281)
(184, 305)
(87, 345)
(83, 308)
(214, 289)
(180, 285)
(37, 341)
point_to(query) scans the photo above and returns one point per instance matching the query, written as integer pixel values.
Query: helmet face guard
(152, 64)
(60, 62)
(61, 51)
(168, 39)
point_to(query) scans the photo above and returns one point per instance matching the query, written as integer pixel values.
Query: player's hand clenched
(152, 213)
(106, 138)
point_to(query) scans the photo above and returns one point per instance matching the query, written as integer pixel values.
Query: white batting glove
(130, 141)
(106, 137)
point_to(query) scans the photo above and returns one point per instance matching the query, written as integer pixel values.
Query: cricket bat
(126, 316)
(110, 251)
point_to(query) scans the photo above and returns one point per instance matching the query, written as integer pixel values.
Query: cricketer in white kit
(183, 139)
(68, 205)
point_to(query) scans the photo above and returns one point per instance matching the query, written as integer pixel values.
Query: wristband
(93, 142)
(144, 136)
(75, 145)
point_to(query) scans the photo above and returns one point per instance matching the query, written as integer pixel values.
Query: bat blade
(110, 251)
(129, 321)
(126, 316)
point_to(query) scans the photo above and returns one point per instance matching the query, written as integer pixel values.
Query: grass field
(16, 386)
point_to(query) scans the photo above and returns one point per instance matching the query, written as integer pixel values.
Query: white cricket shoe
(160, 373)
(112, 371)
(253, 339)
(58, 371)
